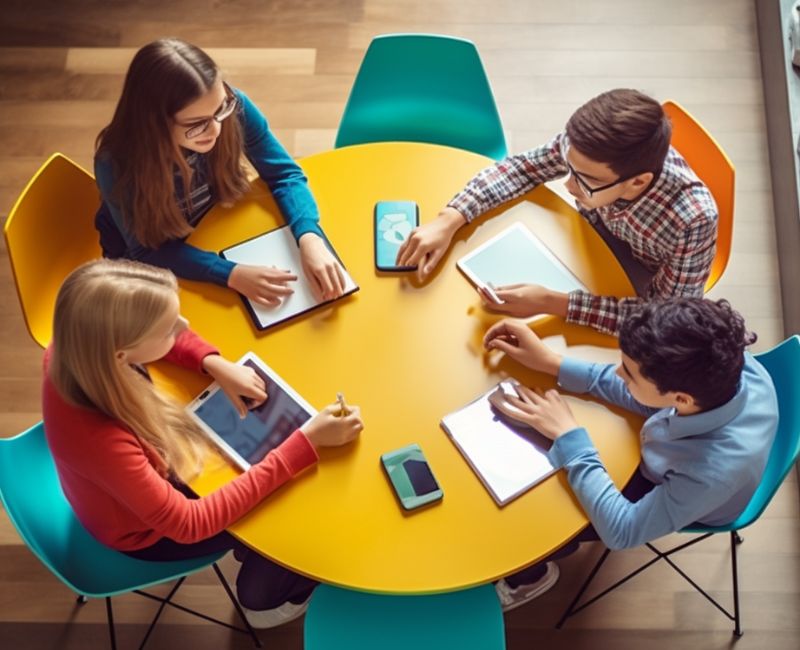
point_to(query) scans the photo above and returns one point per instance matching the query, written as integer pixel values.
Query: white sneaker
(264, 618)
(511, 598)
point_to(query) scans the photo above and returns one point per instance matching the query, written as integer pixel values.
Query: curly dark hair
(623, 128)
(691, 345)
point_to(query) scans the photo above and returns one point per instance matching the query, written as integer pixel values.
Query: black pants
(636, 488)
(260, 584)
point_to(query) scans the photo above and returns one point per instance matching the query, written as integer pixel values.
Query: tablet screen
(264, 428)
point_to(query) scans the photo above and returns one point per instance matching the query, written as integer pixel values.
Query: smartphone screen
(421, 477)
(394, 221)
(411, 477)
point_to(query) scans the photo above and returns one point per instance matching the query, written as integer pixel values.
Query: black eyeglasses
(587, 189)
(225, 111)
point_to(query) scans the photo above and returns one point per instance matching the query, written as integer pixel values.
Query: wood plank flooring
(61, 70)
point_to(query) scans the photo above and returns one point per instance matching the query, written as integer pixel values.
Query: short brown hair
(623, 128)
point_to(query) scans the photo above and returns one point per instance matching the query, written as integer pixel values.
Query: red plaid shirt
(671, 228)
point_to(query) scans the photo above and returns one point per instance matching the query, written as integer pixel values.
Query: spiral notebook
(508, 457)
(278, 248)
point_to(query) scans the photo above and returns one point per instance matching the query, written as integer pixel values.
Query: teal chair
(423, 88)
(341, 619)
(31, 495)
(783, 365)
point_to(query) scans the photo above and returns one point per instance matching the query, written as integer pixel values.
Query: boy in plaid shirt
(641, 196)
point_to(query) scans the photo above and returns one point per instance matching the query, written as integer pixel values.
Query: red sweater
(112, 480)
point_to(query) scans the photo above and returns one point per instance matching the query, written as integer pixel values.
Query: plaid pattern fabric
(671, 228)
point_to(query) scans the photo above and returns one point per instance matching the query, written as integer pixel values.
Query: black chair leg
(735, 540)
(82, 600)
(164, 603)
(237, 606)
(571, 609)
(110, 615)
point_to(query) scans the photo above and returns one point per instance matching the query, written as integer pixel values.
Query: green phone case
(393, 465)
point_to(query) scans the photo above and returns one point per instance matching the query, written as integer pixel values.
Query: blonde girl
(124, 452)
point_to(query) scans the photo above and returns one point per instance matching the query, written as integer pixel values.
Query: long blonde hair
(164, 77)
(109, 305)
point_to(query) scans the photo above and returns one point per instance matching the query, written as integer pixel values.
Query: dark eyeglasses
(225, 111)
(587, 189)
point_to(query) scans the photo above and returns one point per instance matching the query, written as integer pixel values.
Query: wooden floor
(61, 68)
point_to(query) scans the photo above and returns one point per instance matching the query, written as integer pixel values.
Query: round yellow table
(407, 354)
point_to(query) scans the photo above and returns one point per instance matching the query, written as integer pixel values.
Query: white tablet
(246, 441)
(508, 457)
(517, 256)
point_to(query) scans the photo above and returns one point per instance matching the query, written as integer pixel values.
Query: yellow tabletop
(407, 354)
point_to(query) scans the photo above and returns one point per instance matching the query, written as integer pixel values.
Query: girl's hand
(324, 273)
(520, 343)
(548, 413)
(239, 383)
(331, 428)
(262, 284)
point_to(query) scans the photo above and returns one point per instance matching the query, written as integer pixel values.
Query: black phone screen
(420, 476)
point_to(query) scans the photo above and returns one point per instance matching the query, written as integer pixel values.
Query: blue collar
(683, 426)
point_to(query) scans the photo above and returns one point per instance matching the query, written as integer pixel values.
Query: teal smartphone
(411, 477)
(394, 221)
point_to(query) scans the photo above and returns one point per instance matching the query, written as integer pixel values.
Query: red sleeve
(122, 470)
(189, 351)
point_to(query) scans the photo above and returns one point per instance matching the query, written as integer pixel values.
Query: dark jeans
(636, 488)
(260, 584)
(639, 275)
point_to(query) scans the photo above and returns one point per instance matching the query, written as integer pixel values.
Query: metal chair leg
(735, 540)
(237, 606)
(570, 610)
(164, 603)
(110, 615)
(81, 599)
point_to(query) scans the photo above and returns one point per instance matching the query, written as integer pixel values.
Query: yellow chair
(715, 169)
(49, 232)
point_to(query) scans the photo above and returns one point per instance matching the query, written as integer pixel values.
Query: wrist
(557, 303)
(212, 362)
(453, 218)
(308, 239)
(552, 363)
(307, 430)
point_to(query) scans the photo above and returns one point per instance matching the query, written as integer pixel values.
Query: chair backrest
(783, 364)
(49, 232)
(706, 157)
(351, 620)
(423, 88)
(31, 494)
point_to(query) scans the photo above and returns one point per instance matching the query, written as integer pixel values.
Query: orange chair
(715, 169)
(49, 232)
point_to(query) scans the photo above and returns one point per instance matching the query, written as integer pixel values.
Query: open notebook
(278, 248)
(508, 458)
(516, 256)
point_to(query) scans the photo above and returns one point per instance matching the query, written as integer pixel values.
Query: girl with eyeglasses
(175, 147)
(124, 451)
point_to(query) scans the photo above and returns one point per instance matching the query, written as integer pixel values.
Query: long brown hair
(164, 77)
(109, 305)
